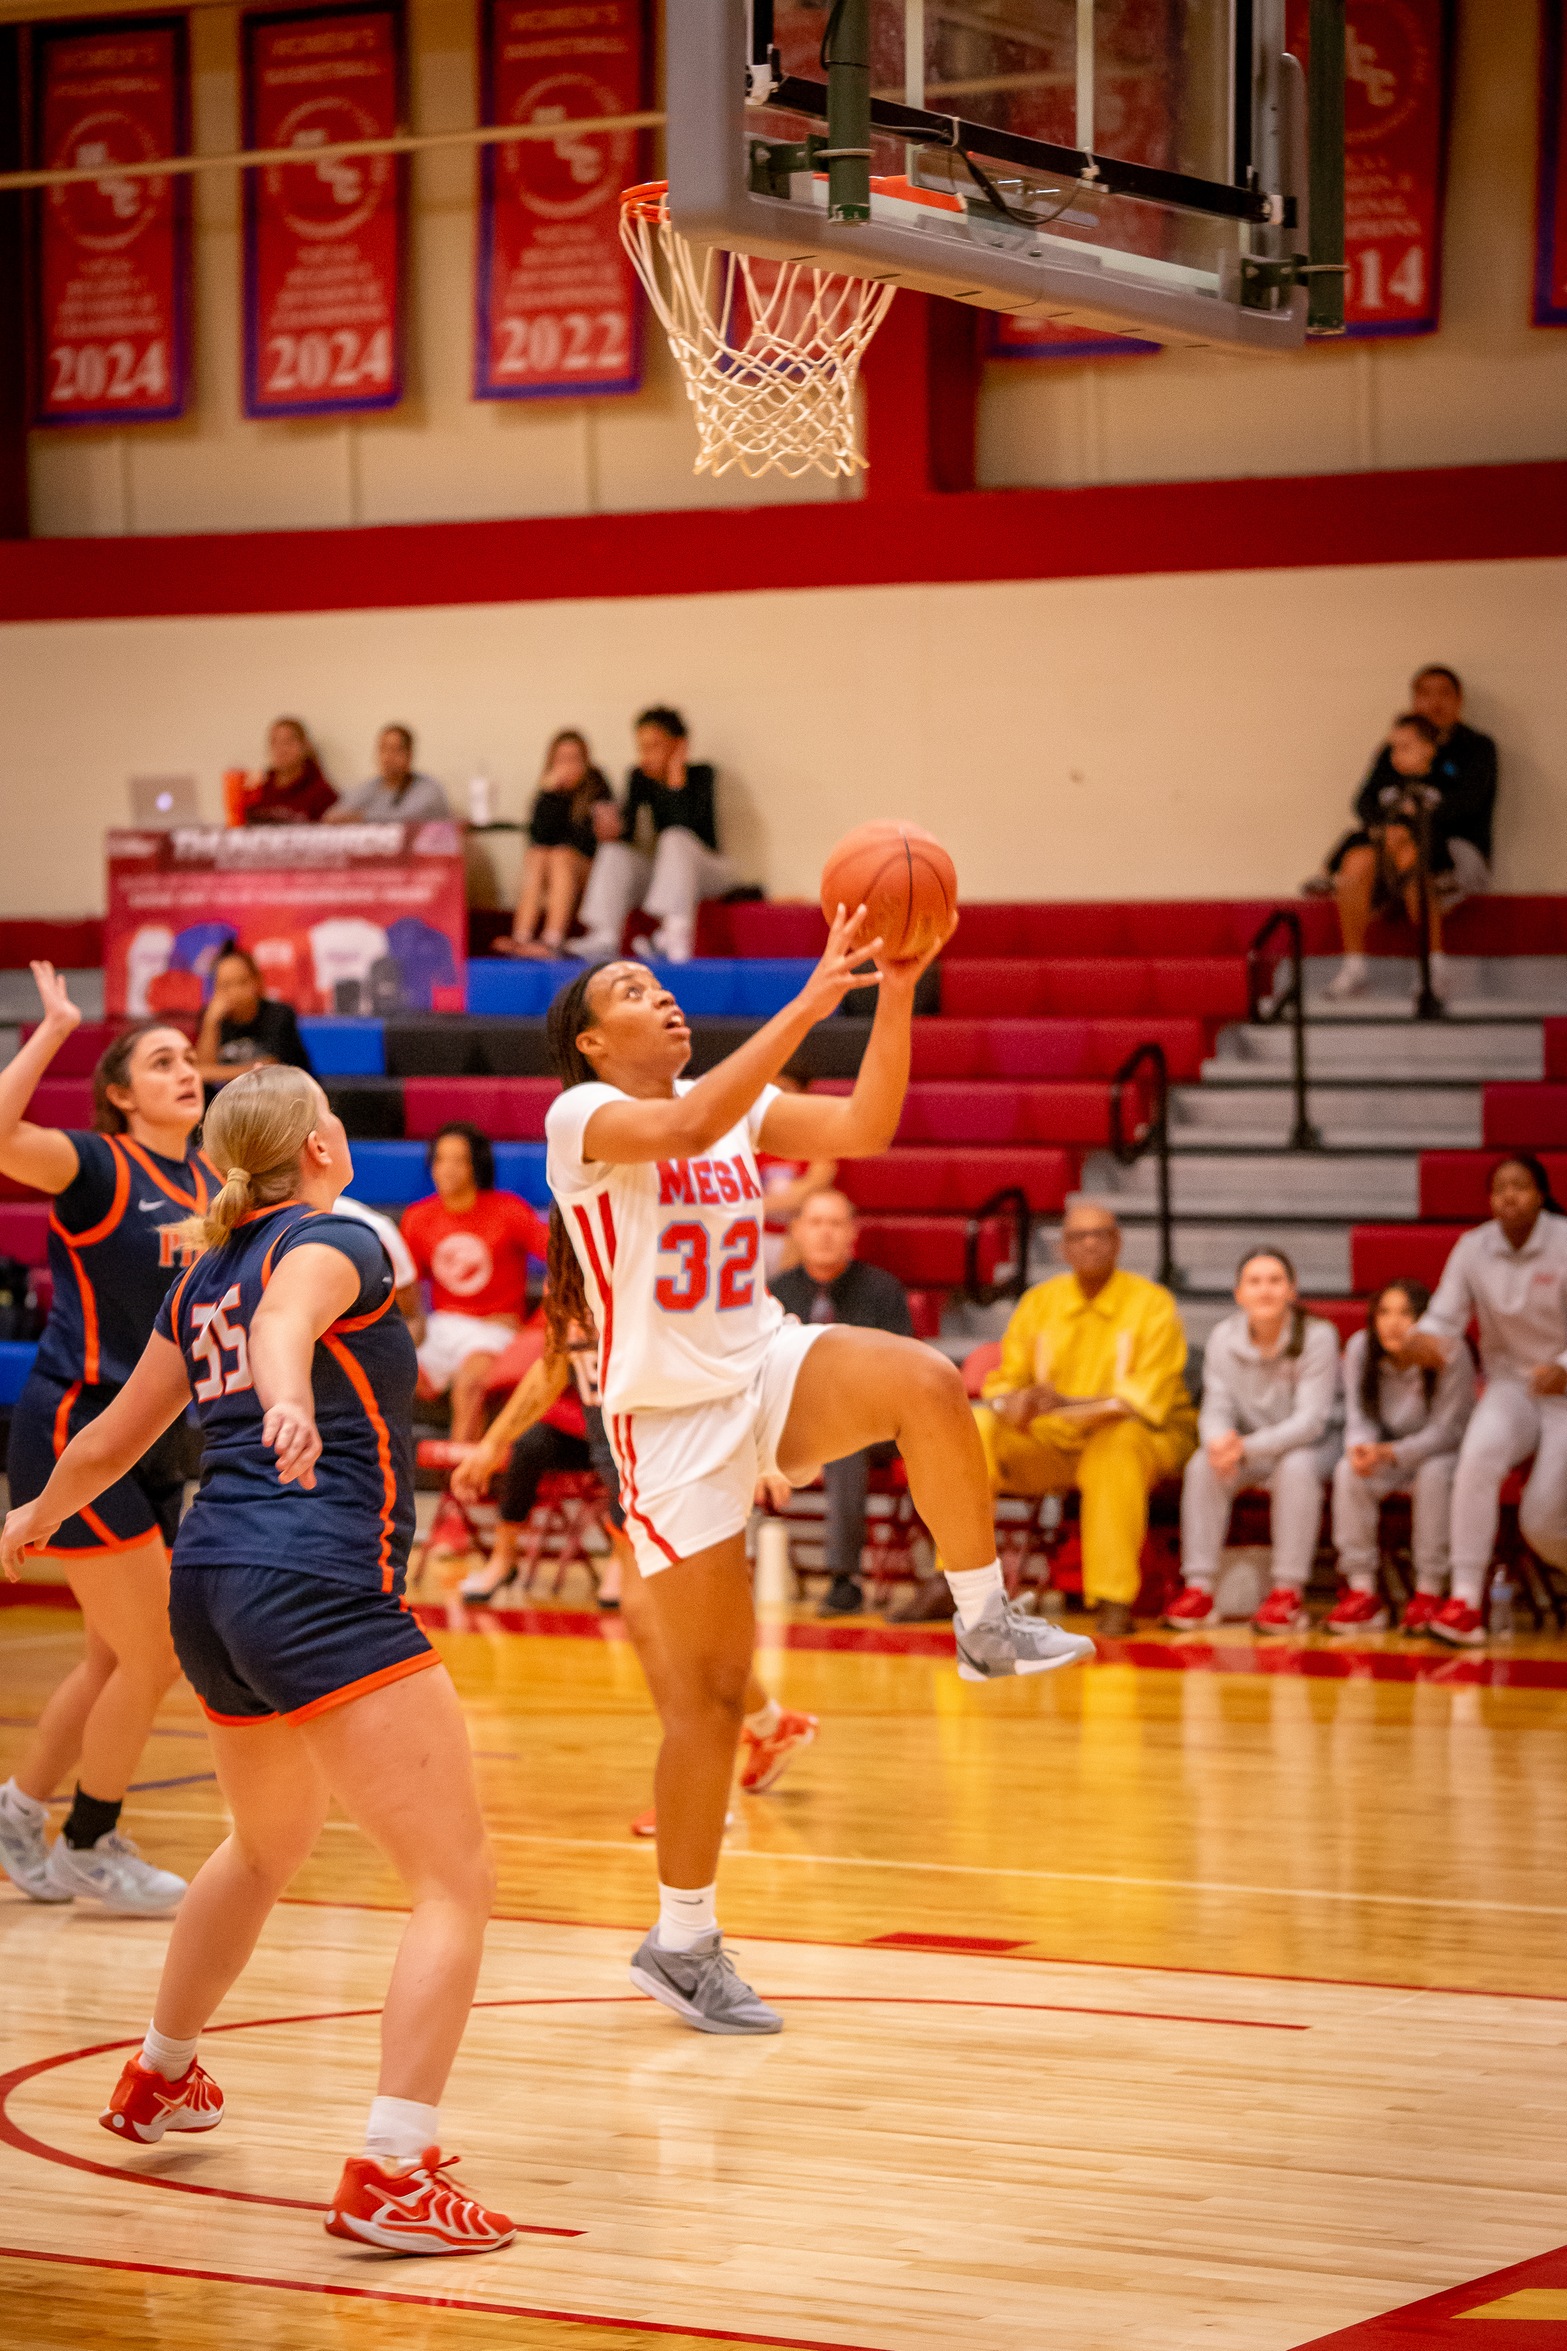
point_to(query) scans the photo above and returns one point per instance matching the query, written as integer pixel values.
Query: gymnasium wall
(1164, 735)
(1487, 388)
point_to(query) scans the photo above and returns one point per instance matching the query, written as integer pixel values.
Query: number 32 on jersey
(685, 1287)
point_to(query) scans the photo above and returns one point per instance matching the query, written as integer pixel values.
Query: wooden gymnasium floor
(1150, 2006)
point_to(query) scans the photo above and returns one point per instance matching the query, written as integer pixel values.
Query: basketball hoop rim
(645, 201)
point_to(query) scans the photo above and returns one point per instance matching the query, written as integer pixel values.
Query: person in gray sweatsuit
(1269, 1418)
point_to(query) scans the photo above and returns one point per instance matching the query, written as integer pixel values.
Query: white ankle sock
(400, 2129)
(972, 1588)
(169, 2057)
(1353, 967)
(27, 1807)
(685, 1916)
(765, 1720)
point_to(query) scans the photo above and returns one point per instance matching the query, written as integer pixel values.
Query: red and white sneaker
(1420, 1613)
(1456, 1622)
(1283, 1611)
(767, 1759)
(1191, 1610)
(145, 2103)
(1357, 1612)
(451, 1529)
(413, 2208)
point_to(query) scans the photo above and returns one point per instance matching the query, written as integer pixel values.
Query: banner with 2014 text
(558, 308)
(1550, 270)
(111, 254)
(324, 239)
(1397, 86)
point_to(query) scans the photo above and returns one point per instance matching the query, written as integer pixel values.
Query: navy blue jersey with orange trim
(356, 1524)
(114, 1250)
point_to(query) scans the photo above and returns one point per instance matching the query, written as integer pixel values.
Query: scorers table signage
(351, 918)
(111, 255)
(558, 308)
(323, 241)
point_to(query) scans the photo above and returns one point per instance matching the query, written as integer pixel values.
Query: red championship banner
(1550, 273)
(111, 257)
(350, 918)
(323, 241)
(1397, 80)
(558, 309)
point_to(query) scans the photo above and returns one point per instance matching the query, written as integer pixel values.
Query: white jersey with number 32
(671, 1255)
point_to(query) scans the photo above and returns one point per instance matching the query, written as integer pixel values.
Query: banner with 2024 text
(1550, 271)
(324, 240)
(1397, 89)
(347, 918)
(111, 255)
(558, 309)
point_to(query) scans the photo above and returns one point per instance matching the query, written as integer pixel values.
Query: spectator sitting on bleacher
(1401, 1436)
(1374, 866)
(241, 1027)
(397, 793)
(1510, 1276)
(293, 789)
(682, 826)
(471, 1243)
(1090, 1392)
(561, 846)
(1268, 1418)
(831, 1284)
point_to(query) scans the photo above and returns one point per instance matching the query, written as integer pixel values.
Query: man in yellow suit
(1090, 1392)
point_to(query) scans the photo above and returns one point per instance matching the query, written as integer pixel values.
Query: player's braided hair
(255, 1132)
(565, 1297)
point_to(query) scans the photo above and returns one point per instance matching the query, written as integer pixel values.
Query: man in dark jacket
(830, 1284)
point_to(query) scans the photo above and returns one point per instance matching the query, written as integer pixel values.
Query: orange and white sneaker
(413, 2208)
(766, 1758)
(145, 2103)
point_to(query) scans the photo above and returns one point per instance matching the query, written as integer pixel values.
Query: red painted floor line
(582, 2318)
(1442, 2322)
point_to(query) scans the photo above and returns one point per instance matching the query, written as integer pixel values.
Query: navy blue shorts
(145, 1502)
(260, 1643)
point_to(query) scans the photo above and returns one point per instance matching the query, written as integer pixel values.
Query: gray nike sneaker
(24, 1853)
(114, 1873)
(1006, 1641)
(701, 1985)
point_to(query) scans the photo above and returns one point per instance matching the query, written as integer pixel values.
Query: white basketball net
(769, 350)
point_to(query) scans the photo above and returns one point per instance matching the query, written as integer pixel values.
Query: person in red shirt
(471, 1243)
(293, 790)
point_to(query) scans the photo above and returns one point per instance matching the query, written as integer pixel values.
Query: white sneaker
(674, 939)
(113, 1873)
(1351, 979)
(592, 947)
(24, 1850)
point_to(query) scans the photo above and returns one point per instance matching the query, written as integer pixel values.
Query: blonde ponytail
(255, 1131)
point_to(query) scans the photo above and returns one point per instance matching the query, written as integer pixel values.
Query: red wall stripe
(1451, 514)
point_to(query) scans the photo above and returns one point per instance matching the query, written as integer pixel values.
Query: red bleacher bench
(61, 1102)
(70, 943)
(1556, 1048)
(928, 1177)
(1381, 1253)
(929, 1251)
(1458, 1183)
(508, 1110)
(24, 1231)
(1112, 987)
(939, 1112)
(1525, 1118)
(1002, 1048)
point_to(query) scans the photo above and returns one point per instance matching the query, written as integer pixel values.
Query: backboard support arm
(846, 53)
(1325, 168)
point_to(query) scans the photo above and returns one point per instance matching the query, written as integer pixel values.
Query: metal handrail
(1151, 1134)
(981, 1293)
(1266, 1008)
(1428, 1004)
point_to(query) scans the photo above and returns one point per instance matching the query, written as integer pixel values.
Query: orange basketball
(903, 878)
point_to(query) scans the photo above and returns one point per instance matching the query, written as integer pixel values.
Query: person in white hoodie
(1401, 1436)
(1269, 1406)
(1510, 1277)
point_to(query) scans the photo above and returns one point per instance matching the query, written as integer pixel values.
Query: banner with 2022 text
(1550, 270)
(1397, 89)
(558, 310)
(111, 255)
(323, 240)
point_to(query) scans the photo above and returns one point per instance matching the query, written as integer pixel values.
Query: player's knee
(933, 1384)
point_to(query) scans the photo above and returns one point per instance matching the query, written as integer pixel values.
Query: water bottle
(1501, 1610)
(481, 800)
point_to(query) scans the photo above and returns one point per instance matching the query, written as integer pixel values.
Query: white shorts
(449, 1340)
(688, 1477)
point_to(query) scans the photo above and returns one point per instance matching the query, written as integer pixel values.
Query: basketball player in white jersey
(656, 1236)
